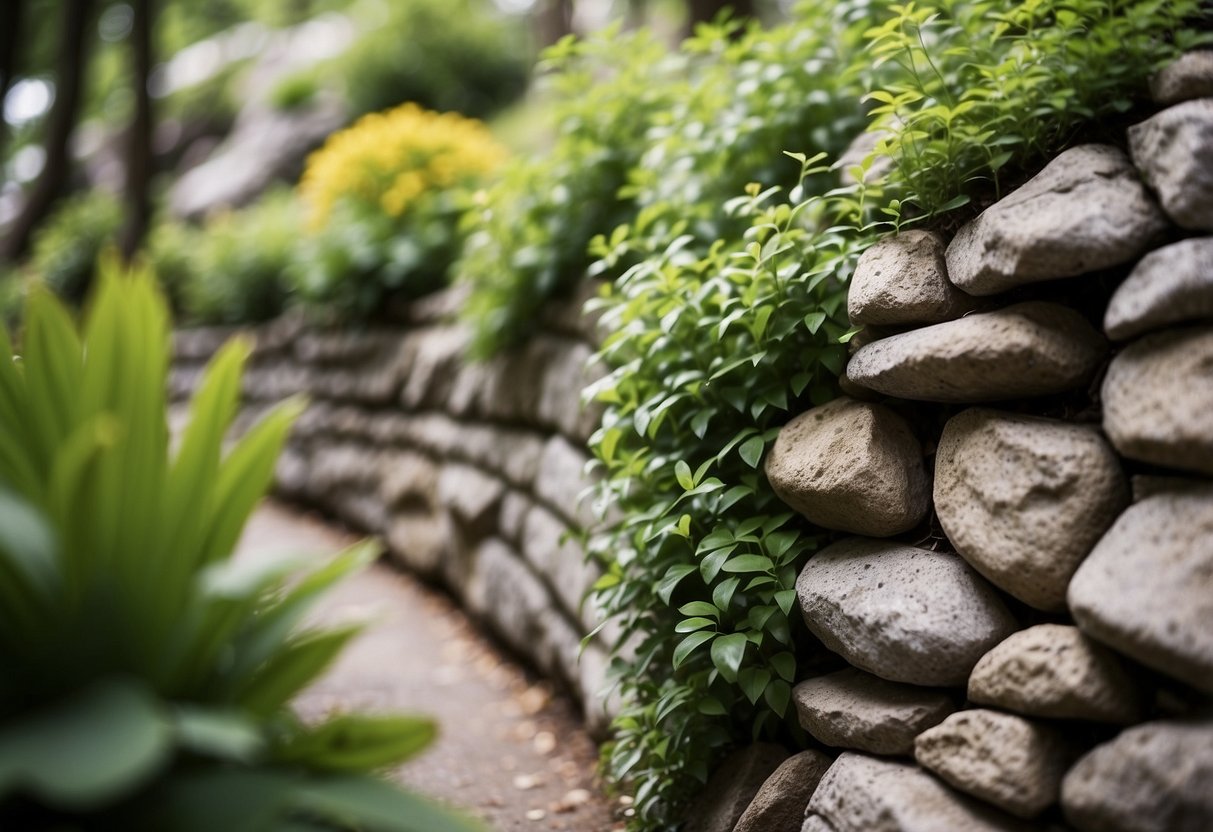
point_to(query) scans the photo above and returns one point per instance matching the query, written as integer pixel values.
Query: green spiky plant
(146, 675)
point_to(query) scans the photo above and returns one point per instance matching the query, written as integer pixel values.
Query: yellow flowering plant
(382, 202)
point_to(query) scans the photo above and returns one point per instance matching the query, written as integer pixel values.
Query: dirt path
(509, 751)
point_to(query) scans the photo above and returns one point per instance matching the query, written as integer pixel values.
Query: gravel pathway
(510, 751)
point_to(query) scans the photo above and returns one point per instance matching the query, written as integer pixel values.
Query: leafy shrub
(65, 247)
(384, 198)
(528, 235)
(235, 269)
(727, 316)
(146, 675)
(460, 55)
(294, 92)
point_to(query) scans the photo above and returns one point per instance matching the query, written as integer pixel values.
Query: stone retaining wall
(1022, 617)
(470, 473)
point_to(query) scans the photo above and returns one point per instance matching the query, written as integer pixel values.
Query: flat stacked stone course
(470, 472)
(1046, 662)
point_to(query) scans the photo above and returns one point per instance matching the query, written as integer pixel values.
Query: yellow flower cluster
(390, 159)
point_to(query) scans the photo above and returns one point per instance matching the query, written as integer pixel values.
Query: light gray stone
(408, 478)
(1003, 759)
(548, 546)
(1087, 210)
(436, 357)
(902, 613)
(852, 466)
(780, 803)
(984, 357)
(472, 496)
(853, 709)
(1173, 284)
(418, 540)
(733, 786)
(1174, 151)
(568, 373)
(503, 592)
(1024, 499)
(1156, 777)
(1188, 76)
(1158, 400)
(866, 794)
(903, 279)
(562, 481)
(1147, 588)
(1054, 671)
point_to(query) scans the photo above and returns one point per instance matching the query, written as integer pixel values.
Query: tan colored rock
(866, 794)
(851, 466)
(1029, 349)
(780, 803)
(1000, 758)
(903, 279)
(1158, 399)
(1156, 777)
(733, 787)
(1171, 285)
(1174, 151)
(1054, 671)
(1188, 76)
(902, 613)
(1147, 588)
(856, 710)
(1087, 210)
(1024, 499)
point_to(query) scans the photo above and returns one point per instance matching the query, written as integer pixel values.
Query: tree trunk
(139, 135)
(73, 54)
(11, 18)
(553, 19)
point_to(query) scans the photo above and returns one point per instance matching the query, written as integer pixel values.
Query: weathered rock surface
(1054, 671)
(780, 803)
(1147, 588)
(903, 280)
(853, 709)
(1158, 399)
(1086, 210)
(902, 613)
(1001, 758)
(866, 794)
(1171, 285)
(1024, 499)
(1188, 76)
(852, 466)
(1174, 151)
(733, 786)
(983, 357)
(1156, 777)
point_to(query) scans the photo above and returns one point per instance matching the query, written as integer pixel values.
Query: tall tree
(11, 19)
(553, 19)
(75, 17)
(139, 133)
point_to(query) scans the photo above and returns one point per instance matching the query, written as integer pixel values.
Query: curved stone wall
(471, 473)
(1021, 618)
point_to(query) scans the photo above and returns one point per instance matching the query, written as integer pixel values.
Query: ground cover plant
(147, 675)
(717, 337)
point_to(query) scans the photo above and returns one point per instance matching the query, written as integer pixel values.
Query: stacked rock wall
(471, 473)
(1021, 619)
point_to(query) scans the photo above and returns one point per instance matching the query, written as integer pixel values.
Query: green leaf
(749, 563)
(355, 743)
(814, 320)
(700, 608)
(682, 472)
(722, 594)
(224, 734)
(785, 665)
(372, 804)
(292, 668)
(751, 450)
(786, 599)
(688, 646)
(690, 625)
(753, 682)
(727, 654)
(88, 751)
(671, 579)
